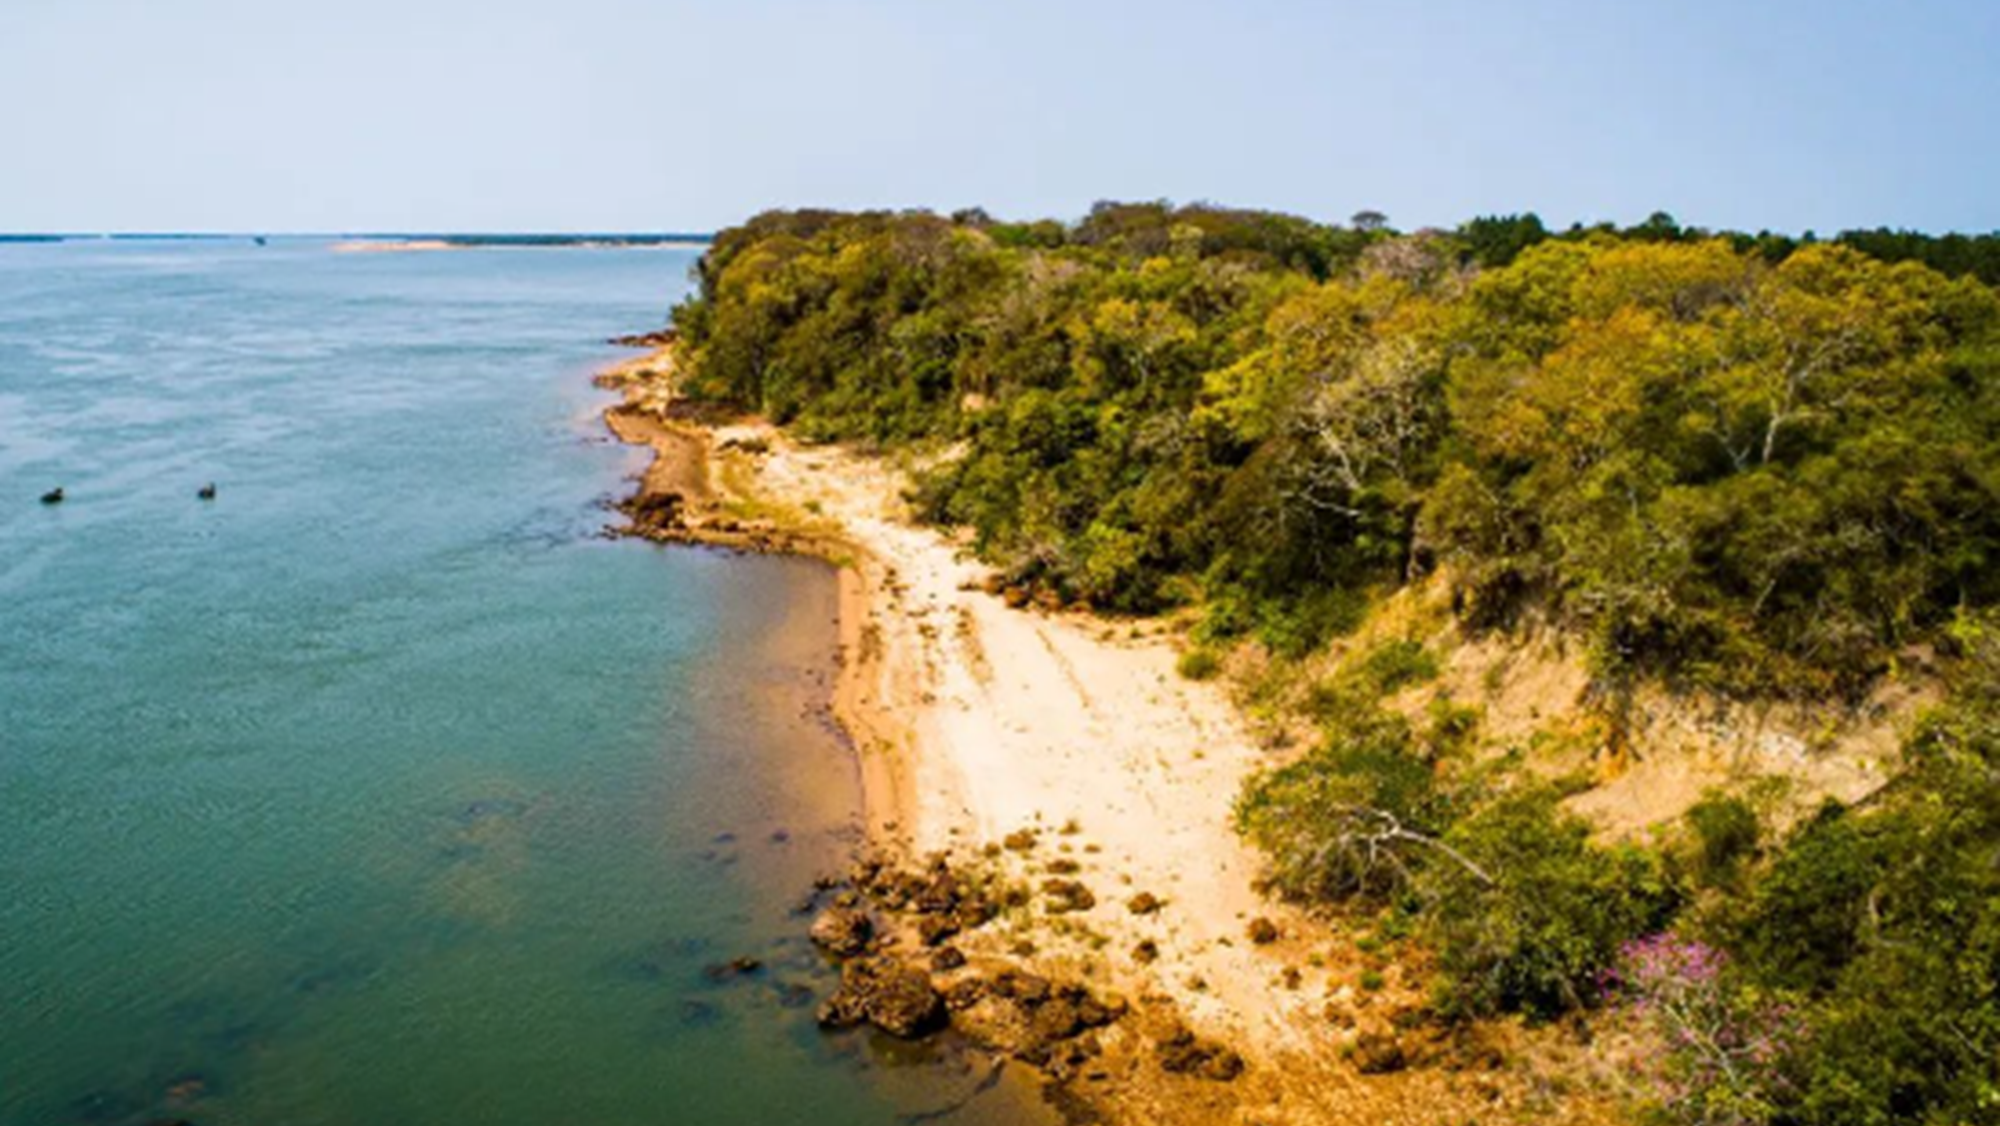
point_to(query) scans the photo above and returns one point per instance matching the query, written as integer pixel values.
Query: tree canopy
(1756, 464)
(1753, 470)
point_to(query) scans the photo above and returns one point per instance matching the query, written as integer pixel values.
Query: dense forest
(1757, 465)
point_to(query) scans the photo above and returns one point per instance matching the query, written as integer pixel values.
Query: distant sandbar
(519, 242)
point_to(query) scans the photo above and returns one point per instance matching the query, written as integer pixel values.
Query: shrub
(1536, 913)
(1886, 917)
(1198, 664)
(1721, 1052)
(1394, 665)
(1359, 816)
(1804, 919)
(1726, 835)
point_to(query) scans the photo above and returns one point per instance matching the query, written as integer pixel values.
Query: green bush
(1805, 917)
(1395, 665)
(1198, 664)
(1352, 818)
(1726, 834)
(1884, 921)
(1535, 913)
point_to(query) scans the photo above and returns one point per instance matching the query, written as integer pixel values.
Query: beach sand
(975, 720)
(389, 246)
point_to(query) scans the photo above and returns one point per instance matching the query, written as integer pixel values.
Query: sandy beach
(978, 723)
(389, 246)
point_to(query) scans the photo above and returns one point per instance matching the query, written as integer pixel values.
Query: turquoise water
(382, 789)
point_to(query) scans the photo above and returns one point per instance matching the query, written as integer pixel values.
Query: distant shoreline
(387, 242)
(395, 245)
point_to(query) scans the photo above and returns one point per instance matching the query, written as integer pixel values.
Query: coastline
(1022, 744)
(667, 505)
(432, 245)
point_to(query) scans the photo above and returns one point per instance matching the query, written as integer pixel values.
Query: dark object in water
(206, 492)
(793, 995)
(699, 1014)
(53, 496)
(484, 809)
(260, 240)
(736, 967)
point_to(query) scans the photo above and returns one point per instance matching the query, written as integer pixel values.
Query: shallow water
(382, 789)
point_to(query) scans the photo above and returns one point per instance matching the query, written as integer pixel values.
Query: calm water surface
(381, 789)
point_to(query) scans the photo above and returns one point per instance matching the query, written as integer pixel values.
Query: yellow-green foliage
(1756, 463)
(1752, 464)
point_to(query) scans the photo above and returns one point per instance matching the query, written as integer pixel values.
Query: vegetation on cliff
(1751, 474)
(1753, 464)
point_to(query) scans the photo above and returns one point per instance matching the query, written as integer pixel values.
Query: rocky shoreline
(1050, 873)
(915, 939)
(896, 932)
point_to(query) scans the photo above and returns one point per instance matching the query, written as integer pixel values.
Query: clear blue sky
(333, 115)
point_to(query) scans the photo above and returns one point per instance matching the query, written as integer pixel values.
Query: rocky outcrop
(882, 991)
(1049, 1024)
(1182, 1052)
(1065, 896)
(913, 963)
(843, 931)
(1378, 1053)
(662, 338)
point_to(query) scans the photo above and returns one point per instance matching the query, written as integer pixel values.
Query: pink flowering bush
(1722, 1046)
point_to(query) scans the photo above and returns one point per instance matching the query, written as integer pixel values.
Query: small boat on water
(53, 496)
(206, 492)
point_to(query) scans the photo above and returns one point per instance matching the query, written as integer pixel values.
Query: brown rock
(1263, 931)
(1067, 895)
(1179, 1052)
(895, 998)
(1144, 903)
(1222, 1065)
(843, 931)
(1378, 1053)
(964, 994)
(1023, 987)
(933, 929)
(1055, 1019)
(974, 911)
(939, 895)
(1182, 1053)
(735, 967)
(865, 870)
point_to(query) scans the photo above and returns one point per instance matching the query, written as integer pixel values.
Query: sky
(652, 115)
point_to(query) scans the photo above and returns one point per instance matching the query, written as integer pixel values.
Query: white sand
(979, 720)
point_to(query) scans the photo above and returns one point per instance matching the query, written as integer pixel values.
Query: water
(382, 789)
